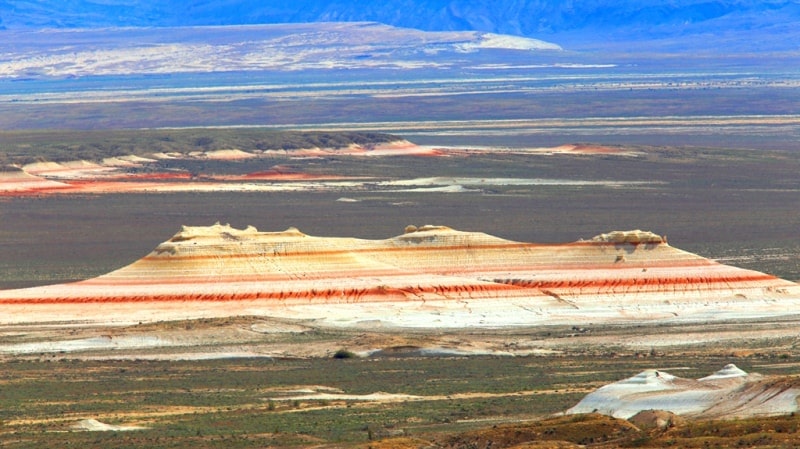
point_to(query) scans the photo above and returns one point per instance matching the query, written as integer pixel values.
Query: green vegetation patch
(265, 402)
(22, 147)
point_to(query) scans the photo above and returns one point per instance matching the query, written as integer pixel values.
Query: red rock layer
(613, 271)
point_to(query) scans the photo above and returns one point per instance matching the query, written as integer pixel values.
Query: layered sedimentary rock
(15, 180)
(461, 277)
(730, 392)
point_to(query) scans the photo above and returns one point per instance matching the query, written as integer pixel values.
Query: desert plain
(453, 369)
(355, 235)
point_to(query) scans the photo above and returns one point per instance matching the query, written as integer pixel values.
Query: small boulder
(656, 420)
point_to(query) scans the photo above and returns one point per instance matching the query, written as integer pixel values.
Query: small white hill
(230, 154)
(728, 393)
(727, 372)
(503, 41)
(93, 425)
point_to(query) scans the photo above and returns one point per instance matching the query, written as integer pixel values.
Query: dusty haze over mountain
(753, 25)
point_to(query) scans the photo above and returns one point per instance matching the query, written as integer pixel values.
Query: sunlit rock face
(427, 275)
(730, 392)
(15, 180)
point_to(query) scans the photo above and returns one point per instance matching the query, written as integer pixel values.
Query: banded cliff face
(612, 275)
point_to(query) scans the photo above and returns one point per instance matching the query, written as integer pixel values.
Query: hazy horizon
(727, 25)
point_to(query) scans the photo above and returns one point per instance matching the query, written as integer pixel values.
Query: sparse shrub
(344, 354)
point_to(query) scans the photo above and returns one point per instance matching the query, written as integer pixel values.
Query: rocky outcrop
(15, 180)
(427, 270)
(727, 393)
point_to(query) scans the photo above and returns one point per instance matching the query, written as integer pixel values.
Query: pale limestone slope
(728, 393)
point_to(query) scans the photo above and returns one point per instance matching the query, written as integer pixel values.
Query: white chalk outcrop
(93, 425)
(429, 276)
(728, 393)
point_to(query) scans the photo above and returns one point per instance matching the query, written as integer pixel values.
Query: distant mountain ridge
(619, 20)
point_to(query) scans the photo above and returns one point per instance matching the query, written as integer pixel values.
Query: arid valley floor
(360, 235)
(248, 380)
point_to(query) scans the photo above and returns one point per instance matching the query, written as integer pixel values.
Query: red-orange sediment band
(352, 295)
